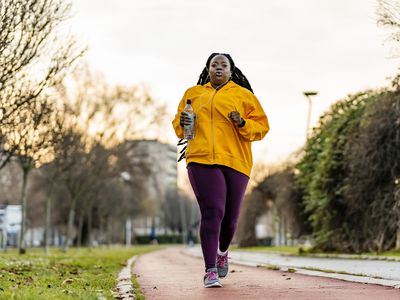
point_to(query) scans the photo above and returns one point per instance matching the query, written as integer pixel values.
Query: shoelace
(212, 275)
(221, 260)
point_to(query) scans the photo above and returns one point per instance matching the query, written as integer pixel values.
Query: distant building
(160, 159)
(10, 224)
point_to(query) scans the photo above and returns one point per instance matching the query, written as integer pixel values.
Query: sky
(283, 47)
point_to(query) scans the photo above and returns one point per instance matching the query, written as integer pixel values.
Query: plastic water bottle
(188, 130)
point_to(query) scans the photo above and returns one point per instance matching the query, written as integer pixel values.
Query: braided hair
(237, 75)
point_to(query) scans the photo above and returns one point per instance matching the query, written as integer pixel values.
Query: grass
(138, 294)
(387, 253)
(336, 272)
(78, 274)
(270, 267)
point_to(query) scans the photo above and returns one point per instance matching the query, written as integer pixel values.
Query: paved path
(372, 268)
(172, 274)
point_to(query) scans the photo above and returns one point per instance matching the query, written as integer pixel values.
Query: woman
(228, 118)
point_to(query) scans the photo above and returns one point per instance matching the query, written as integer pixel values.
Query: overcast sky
(283, 47)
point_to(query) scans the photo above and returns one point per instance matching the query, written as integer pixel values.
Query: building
(160, 160)
(10, 225)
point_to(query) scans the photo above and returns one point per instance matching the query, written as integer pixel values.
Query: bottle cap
(188, 101)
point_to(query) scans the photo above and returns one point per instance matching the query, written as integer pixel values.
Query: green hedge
(161, 239)
(349, 171)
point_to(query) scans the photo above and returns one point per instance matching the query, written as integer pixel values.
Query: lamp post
(308, 95)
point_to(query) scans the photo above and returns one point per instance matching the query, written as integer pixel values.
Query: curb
(124, 287)
(345, 256)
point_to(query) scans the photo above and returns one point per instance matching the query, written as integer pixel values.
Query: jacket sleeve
(257, 125)
(176, 122)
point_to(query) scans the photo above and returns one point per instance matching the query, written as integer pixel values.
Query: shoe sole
(214, 284)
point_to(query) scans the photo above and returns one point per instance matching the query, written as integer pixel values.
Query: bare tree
(33, 57)
(99, 117)
(32, 147)
(389, 17)
(276, 191)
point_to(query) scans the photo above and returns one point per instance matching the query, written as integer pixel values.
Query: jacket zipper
(212, 125)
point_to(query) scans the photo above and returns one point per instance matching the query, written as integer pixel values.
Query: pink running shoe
(222, 265)
(211, 278)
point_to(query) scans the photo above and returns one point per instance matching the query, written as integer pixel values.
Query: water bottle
(188, 130)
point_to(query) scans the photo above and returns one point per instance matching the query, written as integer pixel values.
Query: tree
(32, 148)
(276, 192)
(323, 170)
(350, 171)
(389, 17)
(373, 184)
(33, 59)
(99, 118)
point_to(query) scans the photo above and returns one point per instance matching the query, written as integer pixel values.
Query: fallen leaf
(67, 281)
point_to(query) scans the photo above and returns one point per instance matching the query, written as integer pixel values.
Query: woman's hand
(235, 117)
(185, 119)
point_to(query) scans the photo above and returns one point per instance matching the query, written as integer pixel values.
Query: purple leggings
(219, 191)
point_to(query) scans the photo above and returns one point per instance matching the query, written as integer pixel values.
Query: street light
(308, 95)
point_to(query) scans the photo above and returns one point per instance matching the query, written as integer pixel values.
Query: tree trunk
(71, 218)
(108, 236)
(284, 230)
(398, 239)
(47, 225)
(80, 228)
(32, 236)
(4, 238)
(133, 231)
(53, 237)
(183, 220)
(22, 247)
(128, 232)
(90, 228)
(280, 231)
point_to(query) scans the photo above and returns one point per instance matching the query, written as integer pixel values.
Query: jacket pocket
(200, 145)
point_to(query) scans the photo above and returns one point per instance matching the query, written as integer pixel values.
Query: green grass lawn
(78, 274)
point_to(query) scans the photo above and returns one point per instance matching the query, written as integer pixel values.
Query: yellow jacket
(217, 139)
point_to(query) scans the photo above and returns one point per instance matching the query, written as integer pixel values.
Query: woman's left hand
(235, 117)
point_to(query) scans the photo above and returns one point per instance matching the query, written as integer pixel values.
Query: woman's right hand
(185, 119)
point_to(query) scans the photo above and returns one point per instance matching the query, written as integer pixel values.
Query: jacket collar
(228, 85)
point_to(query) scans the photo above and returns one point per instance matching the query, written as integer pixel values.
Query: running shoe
(222, 265)
(211, 278)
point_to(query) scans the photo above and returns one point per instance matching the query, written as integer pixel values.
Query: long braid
(203, 78)
(237, 75)
(239, 78)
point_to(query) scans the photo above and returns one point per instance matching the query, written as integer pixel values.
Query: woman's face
(219, 70)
